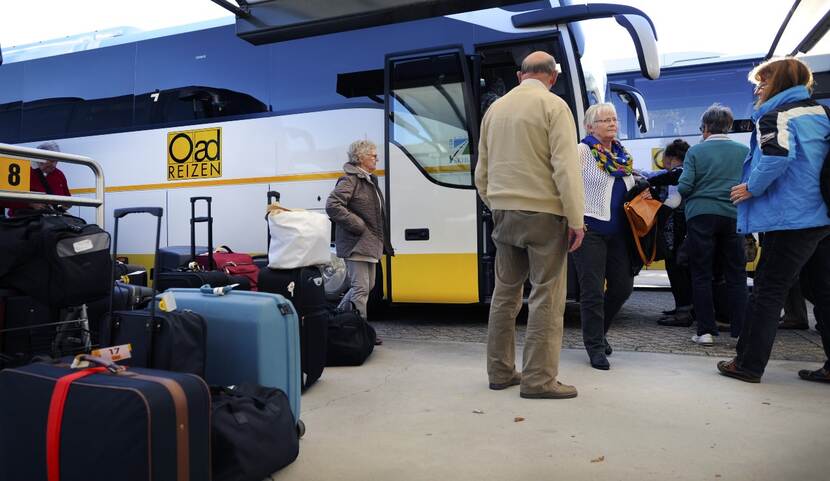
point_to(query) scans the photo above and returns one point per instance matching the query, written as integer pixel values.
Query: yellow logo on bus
(14, 174)
(194, 154)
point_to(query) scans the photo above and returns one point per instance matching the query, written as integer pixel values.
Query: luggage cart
(69, 333)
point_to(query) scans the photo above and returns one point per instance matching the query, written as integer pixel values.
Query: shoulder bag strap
(42, 177)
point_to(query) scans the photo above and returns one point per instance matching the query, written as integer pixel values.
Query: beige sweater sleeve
(567, 168)
(481, 163)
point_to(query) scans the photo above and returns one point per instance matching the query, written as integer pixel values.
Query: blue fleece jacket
(788, 148)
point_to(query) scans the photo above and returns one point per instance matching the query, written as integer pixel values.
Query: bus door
(496, 65)
(430, 132)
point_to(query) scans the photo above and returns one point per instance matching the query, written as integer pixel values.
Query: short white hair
(594, 112)
(50, 145)
(358, 148)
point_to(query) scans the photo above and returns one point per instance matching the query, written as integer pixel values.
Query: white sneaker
(704, 340)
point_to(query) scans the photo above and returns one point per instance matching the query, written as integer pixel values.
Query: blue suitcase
(251, 337)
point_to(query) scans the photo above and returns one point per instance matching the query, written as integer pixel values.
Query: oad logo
(194, 154)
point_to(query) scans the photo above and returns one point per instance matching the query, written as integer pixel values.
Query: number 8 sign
(14, 174)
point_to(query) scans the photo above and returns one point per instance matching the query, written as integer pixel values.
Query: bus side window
(429, 117)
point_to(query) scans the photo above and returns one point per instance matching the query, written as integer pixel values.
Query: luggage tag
(167, 302)
(113, 354)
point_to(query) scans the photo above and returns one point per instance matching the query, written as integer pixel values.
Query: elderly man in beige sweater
(528, 173)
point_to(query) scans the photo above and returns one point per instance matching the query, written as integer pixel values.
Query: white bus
(271, 103)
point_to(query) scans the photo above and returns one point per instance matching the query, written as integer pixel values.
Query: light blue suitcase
(251, 337)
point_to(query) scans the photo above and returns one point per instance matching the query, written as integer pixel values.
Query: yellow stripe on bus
(211, 183)
(448, 169)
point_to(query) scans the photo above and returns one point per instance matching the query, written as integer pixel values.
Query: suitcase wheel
(300, 428)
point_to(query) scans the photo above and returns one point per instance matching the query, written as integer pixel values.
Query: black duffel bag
(254, 433)
(56, 258)
(350, 338)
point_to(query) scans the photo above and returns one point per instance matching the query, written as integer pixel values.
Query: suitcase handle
(216, 291)
(110, 365)
(272, 195)
(155, 211)
(196, 220)
(119, 213)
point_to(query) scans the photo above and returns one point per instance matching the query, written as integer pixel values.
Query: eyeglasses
(701, 129)
(606, 121)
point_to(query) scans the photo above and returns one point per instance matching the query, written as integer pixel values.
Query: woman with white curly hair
(358, 210)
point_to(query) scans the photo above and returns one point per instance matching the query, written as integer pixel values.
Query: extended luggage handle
(272, 196)
(157, 212)
(198, 220)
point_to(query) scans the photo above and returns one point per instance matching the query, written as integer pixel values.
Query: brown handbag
(642, 216)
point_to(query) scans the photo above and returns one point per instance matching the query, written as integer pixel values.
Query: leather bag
(641, 213)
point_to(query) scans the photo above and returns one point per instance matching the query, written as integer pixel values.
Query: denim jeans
(605, 283)
(713, 238)
(783, 254)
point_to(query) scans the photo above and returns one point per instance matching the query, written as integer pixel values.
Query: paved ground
(420, 411)
(635, 329)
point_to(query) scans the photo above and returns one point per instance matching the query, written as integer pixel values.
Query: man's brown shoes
(561, 391)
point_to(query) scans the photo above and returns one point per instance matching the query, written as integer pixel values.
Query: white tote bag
(299, 238)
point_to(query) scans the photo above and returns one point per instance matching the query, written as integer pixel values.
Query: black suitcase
(184, 275)
(131, 274)
(58, 259)
(20, 339)
(174, 341)
(172, 258)
(304, 288)
(136, 425)
(197, 279)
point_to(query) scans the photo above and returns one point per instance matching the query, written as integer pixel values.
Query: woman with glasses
(784, 192)
(604, 258)
(357, 208)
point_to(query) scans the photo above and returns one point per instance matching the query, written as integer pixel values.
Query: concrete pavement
(421, 410)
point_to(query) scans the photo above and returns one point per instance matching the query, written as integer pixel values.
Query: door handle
(416, 234)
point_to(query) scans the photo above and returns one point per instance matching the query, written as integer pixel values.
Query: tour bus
(690, 83)
(270, 99)
(678, 99)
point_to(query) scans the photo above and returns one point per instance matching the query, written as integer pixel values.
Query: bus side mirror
(634, 100)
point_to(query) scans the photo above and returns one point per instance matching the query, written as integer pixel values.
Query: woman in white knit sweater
(602, 263)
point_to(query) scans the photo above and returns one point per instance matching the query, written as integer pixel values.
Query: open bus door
(431, 136)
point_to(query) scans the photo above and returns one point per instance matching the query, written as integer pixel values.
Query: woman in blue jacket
(781, 196)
